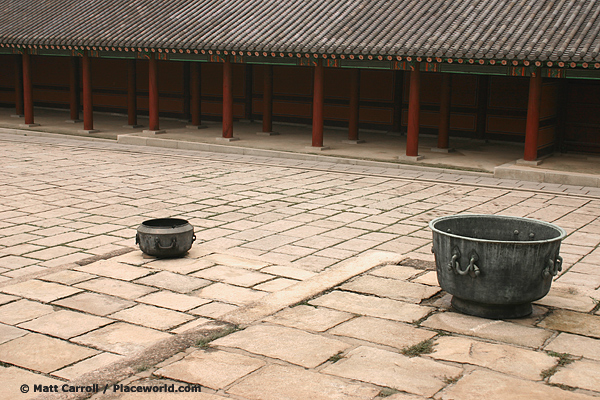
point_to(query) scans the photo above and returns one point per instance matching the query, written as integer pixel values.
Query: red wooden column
(153, 125)
(88, 106)
(196, 96)
(444, 125)
(533, 116)
(354, 108)
(267, 111)
(18, 86)
(317, 117)
(412, 135)
(227, 100)
(132, 121)
(74, 90)
(27, 89)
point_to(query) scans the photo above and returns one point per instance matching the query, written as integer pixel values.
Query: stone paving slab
(42, 353)
(580, 374)
(292, 345)
(390, 333)
(576, 345)
(414, 375)
(494, 386)
(573, 322)
(213, 369)
(372, 306)
(121, 338)
(65, 324)
(39, 290)
(152, 317)
(286, 382)
(510, 360)
(174, 281)
(317, 319)
(12, 378)
(95, 303)
(502, 331)
(391, 288)
(23, 310)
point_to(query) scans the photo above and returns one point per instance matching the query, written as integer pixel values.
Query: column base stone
(154, 132)
(529, 163)
(267, 133)
(349, 141)
(440, 150)
(196, 126)
(410, 158)
(227, 139)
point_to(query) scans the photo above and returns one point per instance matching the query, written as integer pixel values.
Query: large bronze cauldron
(165, 237)
(495, 266)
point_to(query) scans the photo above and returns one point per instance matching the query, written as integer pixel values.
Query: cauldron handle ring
(471, 268)
(172, 246)
(553, 268)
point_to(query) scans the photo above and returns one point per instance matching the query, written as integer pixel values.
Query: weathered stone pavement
(307, 281)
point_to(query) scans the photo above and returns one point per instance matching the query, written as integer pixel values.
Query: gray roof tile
(567, 30)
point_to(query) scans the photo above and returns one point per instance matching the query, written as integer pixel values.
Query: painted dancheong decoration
(495, 266)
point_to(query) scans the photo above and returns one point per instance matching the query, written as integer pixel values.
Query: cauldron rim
(169, 223)
(560, 237)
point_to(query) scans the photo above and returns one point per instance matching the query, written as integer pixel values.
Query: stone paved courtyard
(307, 280)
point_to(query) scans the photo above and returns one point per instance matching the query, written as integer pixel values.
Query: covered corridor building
(524, 71)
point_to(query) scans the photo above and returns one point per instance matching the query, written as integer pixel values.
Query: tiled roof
(567, 30)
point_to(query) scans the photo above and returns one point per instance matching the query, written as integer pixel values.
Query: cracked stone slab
(215, 369)
(114, 269)
(40, 290)
(512, 360)
(570, 297)
(233, 276)
(372, 306)
(391, 288)
(8, 332)
(88, 365)
(305, 317)
(276, 382)
(42, 353)
(114, 287)
(400, 272)
(288, 344)
(95, 303)
(175, 282)
(152, 317)
(582, 374)
(121, 338)
(384, 368)
(12, 378)
(495, 386)
(501, 331)
(333, 276)
(173, 301)
(230, 294)
(233, 261)
(65, 324)
(389, 333)
(575, 345)
(23, 310)
(573, 322)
